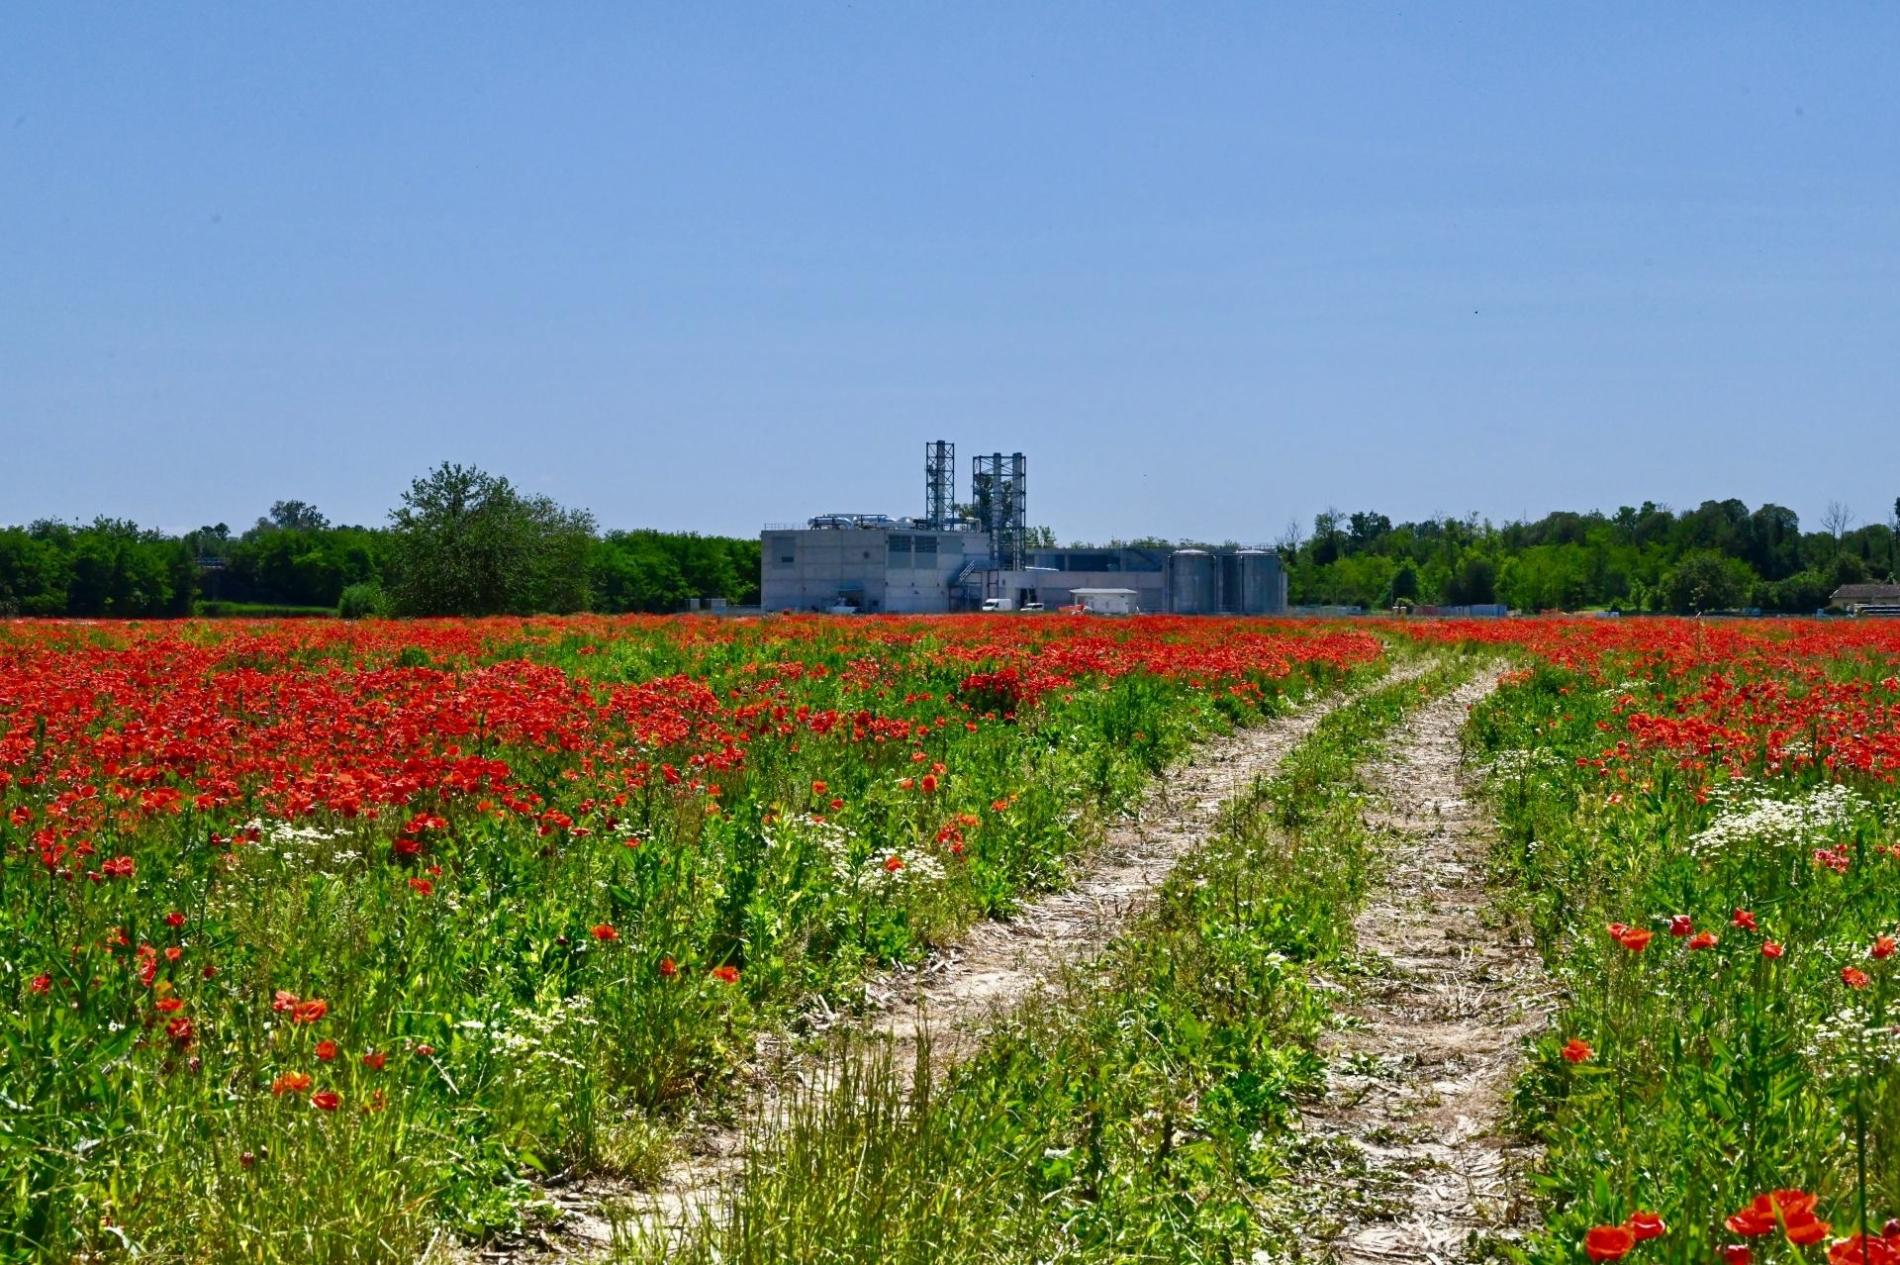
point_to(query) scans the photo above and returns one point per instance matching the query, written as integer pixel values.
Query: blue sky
(704, 266)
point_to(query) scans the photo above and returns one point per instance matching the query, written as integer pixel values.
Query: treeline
(1719, 556)
(462, 542)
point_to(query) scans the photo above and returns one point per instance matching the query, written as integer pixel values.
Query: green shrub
(360, 601)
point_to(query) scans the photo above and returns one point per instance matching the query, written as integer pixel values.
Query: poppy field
(1698, 829)
(323, 940)
(335, 941)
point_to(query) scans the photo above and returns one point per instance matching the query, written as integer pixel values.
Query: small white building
(1107, 601)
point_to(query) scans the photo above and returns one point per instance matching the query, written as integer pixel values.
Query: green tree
(1404, 586)
(119, 569)
(293, 516)
(465, 542)
(1474, 583)
(1847, 568)
(34, 574)
(1706, 581)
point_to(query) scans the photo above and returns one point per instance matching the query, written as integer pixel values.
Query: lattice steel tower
(940, 484)
(997, 486)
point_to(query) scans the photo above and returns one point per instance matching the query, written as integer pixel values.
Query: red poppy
(727, 974)
(1737, 1254)
(174, 919)
(169, 1005)
(1772, 948)
(290, 1083)
(929, 784)
(1863, 1249)
(1757, 1219)
(669, 968)
(1636, 939)
(605, 932)
(1577, 1051)
(1881, 949)
(421, 886)
(374, 1060)
(1609, 1242)
(818, 788)
(326, 1051)
(181, 1031)
(1743, 919)
(893, 863)
(1798, 1222)
(1681, 925)
(326, 1100)
(1703, 940)
(42, 983)
(309, 1011)
(1854, 977)
(1791, 1202)
(283, 1000)
(1646, 1225)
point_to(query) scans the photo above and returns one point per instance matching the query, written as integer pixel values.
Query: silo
(1229, 593)
(1262, 583)
(1193, 582)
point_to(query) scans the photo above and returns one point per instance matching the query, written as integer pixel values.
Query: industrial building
(956, 557)
(865, 562)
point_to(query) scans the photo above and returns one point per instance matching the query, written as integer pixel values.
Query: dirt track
(1413, 1118)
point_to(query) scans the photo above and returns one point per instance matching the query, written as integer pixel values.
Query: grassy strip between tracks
(1141, 1111)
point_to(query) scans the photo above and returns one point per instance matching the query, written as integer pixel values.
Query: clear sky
(710, 265)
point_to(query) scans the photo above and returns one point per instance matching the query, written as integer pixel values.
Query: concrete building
(868, 562)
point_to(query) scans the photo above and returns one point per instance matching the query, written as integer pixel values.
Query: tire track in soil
(1414, 1118)
(962, 988)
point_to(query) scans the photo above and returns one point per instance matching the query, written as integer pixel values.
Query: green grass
(212, 609)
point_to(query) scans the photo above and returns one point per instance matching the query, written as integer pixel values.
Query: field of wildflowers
(1699, 829)
(324, 940)
(323, 937)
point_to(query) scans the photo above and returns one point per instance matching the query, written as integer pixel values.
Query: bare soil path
(959, 992)
(1410, 1144)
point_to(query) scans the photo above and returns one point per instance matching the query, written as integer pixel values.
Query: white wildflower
(1750, 816)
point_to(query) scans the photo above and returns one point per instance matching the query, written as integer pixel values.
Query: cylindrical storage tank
(1193, 582)
(1229, 594)
(1262, 583)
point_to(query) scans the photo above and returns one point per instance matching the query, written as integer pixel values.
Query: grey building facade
(864, 562)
